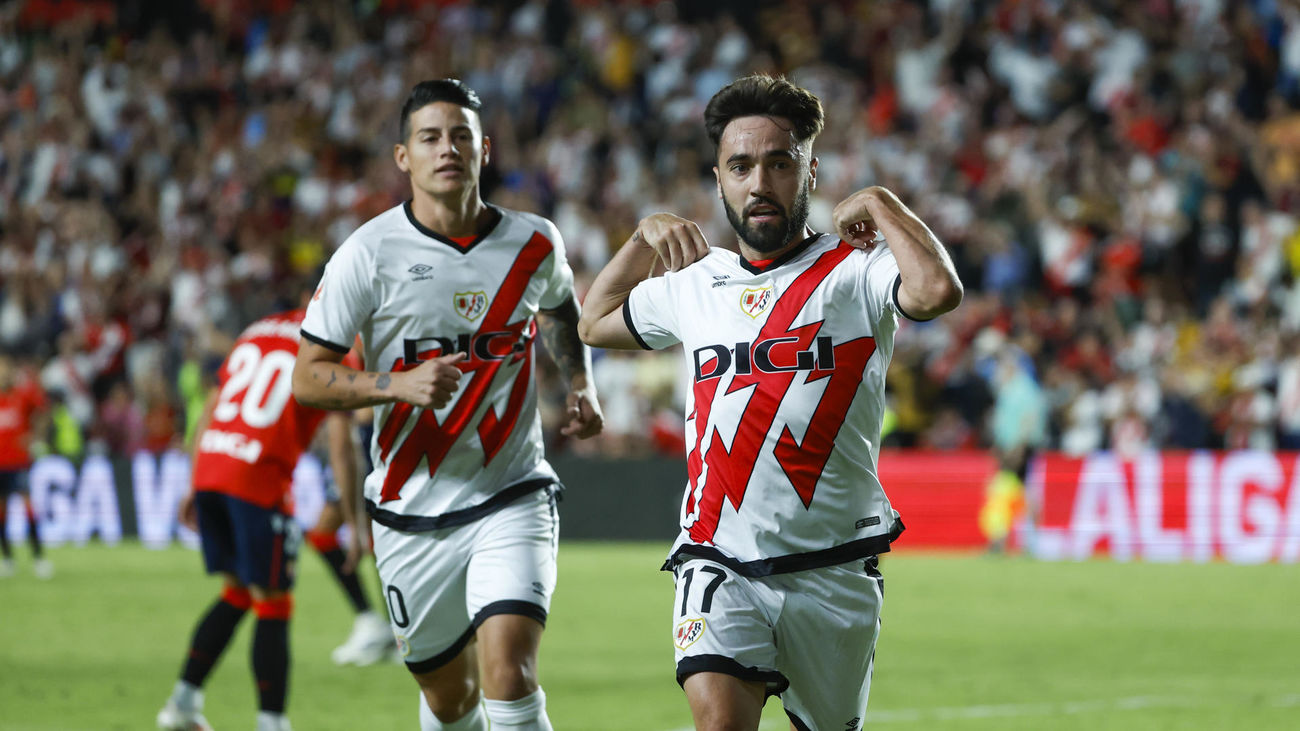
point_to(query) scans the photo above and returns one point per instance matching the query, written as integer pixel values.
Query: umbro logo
(720, 280)
(419, 269)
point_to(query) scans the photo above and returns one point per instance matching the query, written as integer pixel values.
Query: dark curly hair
(765, 96)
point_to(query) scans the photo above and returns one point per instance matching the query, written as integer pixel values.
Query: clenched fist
(429, 385)
(678, 241)
(853, 220)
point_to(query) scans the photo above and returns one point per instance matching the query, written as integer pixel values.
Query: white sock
(472, 721)
(526, 714)
(187, 697)
(267, 721)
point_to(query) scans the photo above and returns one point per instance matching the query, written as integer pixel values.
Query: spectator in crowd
(1109, 179)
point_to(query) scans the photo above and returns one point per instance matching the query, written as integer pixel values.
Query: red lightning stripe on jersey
(803, 463)
(432, 440)
(729, 471)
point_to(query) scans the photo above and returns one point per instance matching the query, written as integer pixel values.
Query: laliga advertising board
(100, 497)
(1242, 507)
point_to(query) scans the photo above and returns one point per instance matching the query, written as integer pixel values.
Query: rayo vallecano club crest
(469, 305)
(755, 302)
(688, 632)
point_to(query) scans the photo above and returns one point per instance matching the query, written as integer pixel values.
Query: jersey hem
(426, 523)
(325, 343)
(843, 553)
(627, 320)
(776, 682)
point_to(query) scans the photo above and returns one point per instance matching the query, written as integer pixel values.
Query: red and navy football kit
(244, 459)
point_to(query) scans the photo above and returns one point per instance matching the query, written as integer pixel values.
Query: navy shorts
(12, 481)
(258, 545)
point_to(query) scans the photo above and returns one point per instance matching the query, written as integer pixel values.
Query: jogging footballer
(448, 294)
(777, 584)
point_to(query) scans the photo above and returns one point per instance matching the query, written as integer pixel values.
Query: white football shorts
(809, 635)
(441, 585)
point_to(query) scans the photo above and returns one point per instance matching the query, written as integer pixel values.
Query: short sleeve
(559, 282)
(879, 284)
(650, 313)
(343, 300)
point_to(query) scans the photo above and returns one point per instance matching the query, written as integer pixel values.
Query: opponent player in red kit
(249, 440)
(22, 405)
(778, 591)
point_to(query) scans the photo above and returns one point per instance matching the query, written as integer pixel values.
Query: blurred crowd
(1117, 181)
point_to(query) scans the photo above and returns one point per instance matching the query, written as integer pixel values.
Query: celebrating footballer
(778, 590)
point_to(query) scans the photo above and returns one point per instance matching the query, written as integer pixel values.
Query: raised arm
(930, 286)
(677, 241)
(321, 380)
(559, 328)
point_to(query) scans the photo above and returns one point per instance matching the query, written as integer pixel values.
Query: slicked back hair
(760, 95)
(436, 90)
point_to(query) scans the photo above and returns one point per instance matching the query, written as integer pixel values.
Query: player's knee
(450, 698)
(275, 605)
(509, 680)
(721, 723)
(237, 596)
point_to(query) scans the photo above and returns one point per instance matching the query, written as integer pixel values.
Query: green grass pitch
(969, 642)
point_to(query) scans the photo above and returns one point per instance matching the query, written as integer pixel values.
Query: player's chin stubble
(770, 237)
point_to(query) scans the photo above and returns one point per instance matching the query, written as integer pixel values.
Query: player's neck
(451, 215)
(753, 255)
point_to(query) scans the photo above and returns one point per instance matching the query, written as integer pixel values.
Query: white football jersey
(412, 294)
(787, 364)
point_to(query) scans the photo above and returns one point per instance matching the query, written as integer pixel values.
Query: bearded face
(764, 179)
(765, 225)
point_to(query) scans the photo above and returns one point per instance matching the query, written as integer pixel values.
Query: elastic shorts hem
(511, 606)
(688, 666)
(797, 722)
(419, 667)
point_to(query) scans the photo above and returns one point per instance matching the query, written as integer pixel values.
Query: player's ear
(812, 174)
(399, 157)
(717, 179)
(487, 149)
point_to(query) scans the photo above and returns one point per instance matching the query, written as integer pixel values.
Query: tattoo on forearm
(560, 334)
(334, 376)
(352, 378)
(382, 381)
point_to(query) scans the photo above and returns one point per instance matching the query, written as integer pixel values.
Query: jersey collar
(483, 234)
(787, 256)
